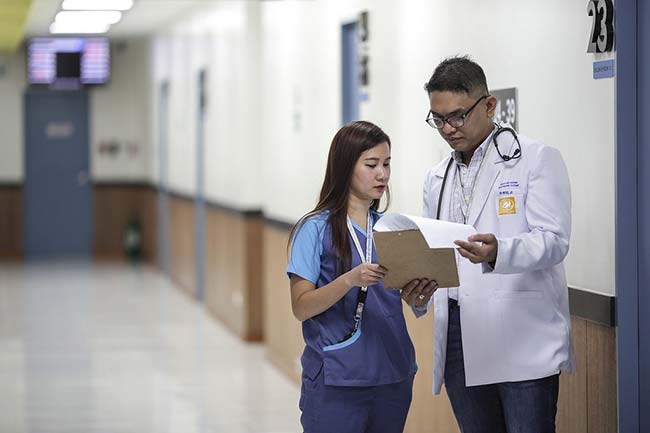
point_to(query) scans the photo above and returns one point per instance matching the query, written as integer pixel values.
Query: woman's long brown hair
(347, 146)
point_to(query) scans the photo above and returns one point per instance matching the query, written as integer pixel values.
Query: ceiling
(145, 17)
(12, 19)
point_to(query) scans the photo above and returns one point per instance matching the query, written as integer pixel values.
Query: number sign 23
(602, 27)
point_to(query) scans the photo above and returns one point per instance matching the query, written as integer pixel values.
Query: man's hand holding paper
(479, 248)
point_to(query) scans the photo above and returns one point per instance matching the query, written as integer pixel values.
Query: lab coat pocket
(525, 326)
(518, 294)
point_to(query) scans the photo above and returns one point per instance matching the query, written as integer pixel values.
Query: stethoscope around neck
(505, 158)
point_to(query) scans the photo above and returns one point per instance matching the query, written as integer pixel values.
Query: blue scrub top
(381, 351)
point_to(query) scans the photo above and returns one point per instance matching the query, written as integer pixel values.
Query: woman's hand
(418, 292)
(366, 274)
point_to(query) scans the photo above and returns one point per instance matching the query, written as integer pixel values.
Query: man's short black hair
(458, 74)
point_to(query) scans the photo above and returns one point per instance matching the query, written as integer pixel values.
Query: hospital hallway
(174, 147)
(96, 347)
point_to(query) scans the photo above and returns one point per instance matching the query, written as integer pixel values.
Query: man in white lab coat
(503, 337)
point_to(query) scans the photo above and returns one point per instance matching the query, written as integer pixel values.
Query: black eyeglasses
(455, 121)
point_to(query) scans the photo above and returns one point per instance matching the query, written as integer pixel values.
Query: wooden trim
(179, 195)
(123, 184)
(11, 222)
(595, 307)
(245, 213)
(278, 224)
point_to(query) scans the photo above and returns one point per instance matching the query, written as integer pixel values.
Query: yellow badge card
(507, 206)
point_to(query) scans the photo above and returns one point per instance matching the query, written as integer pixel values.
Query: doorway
(350, 84)
(199, 200)
(58, 215)
(163, 192)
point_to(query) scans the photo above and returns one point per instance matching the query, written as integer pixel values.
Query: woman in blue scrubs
(359, 362)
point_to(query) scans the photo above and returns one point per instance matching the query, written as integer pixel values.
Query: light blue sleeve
(306, 250)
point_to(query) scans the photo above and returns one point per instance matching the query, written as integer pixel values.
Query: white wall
(120, 112)
(540, 48)
(223, 40)
(12, 85)
(275, 99)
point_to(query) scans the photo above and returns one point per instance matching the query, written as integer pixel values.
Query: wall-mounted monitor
(80, 60)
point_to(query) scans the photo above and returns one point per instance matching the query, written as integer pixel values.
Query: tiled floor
(113, 348)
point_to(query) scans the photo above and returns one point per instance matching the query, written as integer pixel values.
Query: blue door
(349, 74)
(57, 196)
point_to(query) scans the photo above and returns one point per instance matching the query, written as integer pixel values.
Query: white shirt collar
(478, 153)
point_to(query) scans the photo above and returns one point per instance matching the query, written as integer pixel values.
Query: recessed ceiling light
(78, 28)
(97, 5)
(73, 17)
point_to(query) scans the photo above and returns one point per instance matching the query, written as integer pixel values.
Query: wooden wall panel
(254, 278)
(149, 220)
(429, 413)
(572, 401)
(181, 244)
(233, 271)
(113, 207)
(601, 379)
(11, 222)
(224, 269)
(282, 331)
(216, 299)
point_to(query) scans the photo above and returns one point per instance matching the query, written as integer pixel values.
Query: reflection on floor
(114, 348)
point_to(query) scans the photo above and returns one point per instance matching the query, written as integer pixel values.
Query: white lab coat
(515, 319)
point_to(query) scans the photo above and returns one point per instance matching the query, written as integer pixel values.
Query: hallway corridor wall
(273, 107)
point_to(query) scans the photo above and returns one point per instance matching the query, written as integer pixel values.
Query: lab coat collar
(442, 167)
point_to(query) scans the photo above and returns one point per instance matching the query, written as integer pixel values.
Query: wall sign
(601, 39)
(59, 130)
(506, 112)
(604, 69)
(364, 74)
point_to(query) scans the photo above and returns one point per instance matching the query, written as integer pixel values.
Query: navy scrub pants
(351, 409)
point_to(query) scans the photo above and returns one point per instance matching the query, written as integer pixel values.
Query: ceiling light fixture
(97, 5)
(79, 28)
(80, 17)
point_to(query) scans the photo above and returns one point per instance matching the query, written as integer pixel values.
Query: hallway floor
(112, 348)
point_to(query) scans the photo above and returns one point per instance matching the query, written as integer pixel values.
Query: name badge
(507, 205)
(509, 187)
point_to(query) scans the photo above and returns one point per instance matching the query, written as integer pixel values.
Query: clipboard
(407, 256)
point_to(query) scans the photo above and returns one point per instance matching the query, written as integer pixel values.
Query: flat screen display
(84, 59)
